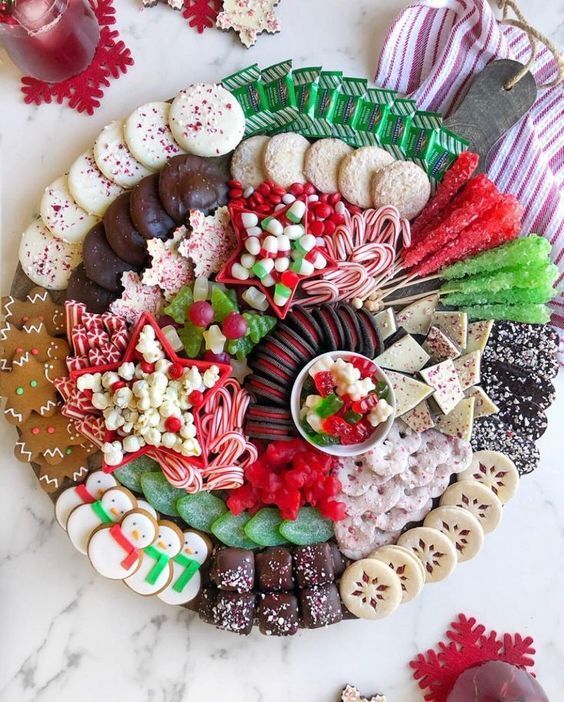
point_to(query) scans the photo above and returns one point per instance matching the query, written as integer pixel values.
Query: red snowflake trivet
(201, 14)
(468, 644)
(84, 91)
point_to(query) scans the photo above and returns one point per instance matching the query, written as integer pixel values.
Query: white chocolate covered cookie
(247, 164)
(148, 135)
(62, 216)
(284, 158)
(115, 160)
(45, 259)
(89, 186)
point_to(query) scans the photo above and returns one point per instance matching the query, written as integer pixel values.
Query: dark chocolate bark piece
(502, 384)
(532, 348)
(492, 434)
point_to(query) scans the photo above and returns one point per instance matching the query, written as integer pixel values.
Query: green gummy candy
(160, 494)
(201, 510)
(527, 251)
(531, 314)
(230, 530)
(178, 306)
(309, 528)
(263, 528)
(259, 325)
(130, 474)
(240, 348)
(537, 295)
(503, 280)
(222, 303)
(191, 337)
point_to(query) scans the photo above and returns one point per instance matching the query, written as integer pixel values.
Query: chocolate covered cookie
(82, 289)
(147, 213)
(121, 234)
(101, 264)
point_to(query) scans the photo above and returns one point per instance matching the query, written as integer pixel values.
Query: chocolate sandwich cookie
(369, 332)
(502, 384)
(524, 417)
(268, 432)
(331, 329)
(147, 213)
(101, 264)
(351, 326)
(264, 366)
(329, 313)
(303, 322)
(279, 416)
(121, 234)
(272, 393)
(191, 182)
(289, 370)
(269, 423)
(278, 348)
(295, 341)
(492, 434)
(528, 347)
(82, 289)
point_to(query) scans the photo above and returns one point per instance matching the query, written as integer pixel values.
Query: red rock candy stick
(454, 180)
(498, 225)
(475, 199)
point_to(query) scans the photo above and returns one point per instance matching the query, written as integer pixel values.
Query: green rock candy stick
(531, 314)
(536, 295)
(530, 277)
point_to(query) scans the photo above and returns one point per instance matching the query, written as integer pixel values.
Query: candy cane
(178, 471)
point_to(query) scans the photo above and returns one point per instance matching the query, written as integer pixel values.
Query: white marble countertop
(67, 634)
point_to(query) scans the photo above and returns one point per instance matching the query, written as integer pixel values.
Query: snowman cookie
(110, 508)
(116, 551)
(186, 579)
(86, 493)
(155, 572)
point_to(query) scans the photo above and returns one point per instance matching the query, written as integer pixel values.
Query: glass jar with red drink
(50, 40)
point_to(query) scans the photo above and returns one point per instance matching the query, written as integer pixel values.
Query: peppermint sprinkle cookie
(115, 160)
(357, 171)
(89, 186)
(247, 164)
(284, 159)
(148, 135)
(62, 216)
(207, 120)
(46, 260)
(404, 185)
(322, 162)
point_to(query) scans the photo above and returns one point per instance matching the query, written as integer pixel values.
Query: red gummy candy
(280, 453)
(324, 383)
(243, 498)
(331, 509)
(365, 405)
(366, 367)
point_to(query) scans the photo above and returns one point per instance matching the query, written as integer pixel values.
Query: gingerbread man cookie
(32, 338)
(48, 438)
(38, 305)
(72, 468)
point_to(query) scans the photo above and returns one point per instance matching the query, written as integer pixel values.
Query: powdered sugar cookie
(148, 135)
(357, 171)
(370, 589)
(247, 164)
(115, 160)
(461, 527)
(46, 260)
(61, 215)
(322, 162)
(404, 185)
(207, 120)
(284, 158)
(89, 186)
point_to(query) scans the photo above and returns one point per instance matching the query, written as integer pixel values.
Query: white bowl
(379, 433)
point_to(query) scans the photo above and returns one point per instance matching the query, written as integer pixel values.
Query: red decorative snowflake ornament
(468, 644)
(201, 14)
(84, 91)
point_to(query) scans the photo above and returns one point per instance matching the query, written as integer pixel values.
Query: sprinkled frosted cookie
(62, 216)
(148, 135)
(247, 164)
(115, 160)
(46, 260)
(357, 171)
(89, 186)
(322, 162)
(207, 120)
(284, 158)
(404, 185)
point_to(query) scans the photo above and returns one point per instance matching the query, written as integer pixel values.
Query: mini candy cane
(178, 471)
(365, 246)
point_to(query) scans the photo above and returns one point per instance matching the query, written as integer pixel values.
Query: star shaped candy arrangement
(149, 403)
(274, 255)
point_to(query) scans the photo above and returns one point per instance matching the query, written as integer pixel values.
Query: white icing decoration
(167, 542)
(97, 483)
(195, 547)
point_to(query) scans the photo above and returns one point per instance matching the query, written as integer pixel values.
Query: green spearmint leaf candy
(191, 337)
(201, 510)
(130, 474)
(263, 527)
(222, 303)
(160, 494)
(230, 530)
(178, 306)
(309, 528)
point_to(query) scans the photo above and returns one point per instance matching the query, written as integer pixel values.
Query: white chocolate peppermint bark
(459, 421)
(386, 323)
(207, 120)
(483, 405)
(405, 355)
(408, 392)
(148, 135)
(45, 259)
(468, 369)
(115, 160)
(64, 218)
(416, 318)
(478, 335)
(89, 186)
(419, 418)
(454, 325)
(439, 346)
(443, 378)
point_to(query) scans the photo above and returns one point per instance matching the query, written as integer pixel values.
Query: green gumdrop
(201, 510)
(230, 530)
(309, 528)
(178, 306)
(130, 474)
(222, 304)
(191, 337)
(531, 314)
(263, 528)
(160, 494)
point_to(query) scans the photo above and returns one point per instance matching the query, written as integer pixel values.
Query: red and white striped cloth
(431, 51)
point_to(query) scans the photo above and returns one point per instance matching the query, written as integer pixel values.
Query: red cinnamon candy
(496, 681)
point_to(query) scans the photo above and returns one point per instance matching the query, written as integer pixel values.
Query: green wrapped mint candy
(309, 528)
(160, 494)
(263, 528)
(230, 530)
(130, 474)
(201, 510)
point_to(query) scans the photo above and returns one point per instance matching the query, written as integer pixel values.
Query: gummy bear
(324, 383)
(330, 404)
